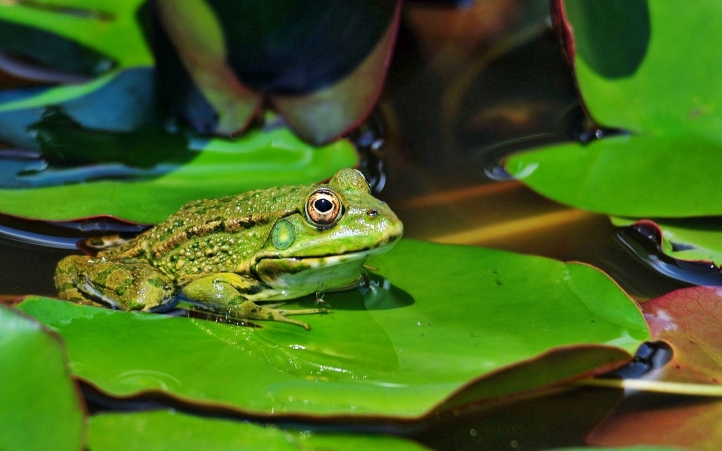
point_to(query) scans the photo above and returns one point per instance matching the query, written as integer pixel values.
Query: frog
(243, 255)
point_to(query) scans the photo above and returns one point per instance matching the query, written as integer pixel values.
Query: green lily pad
(689, 239)
(649, 86)
(259, 159)
(174, 430)
(40, 406)
(110, 27)
(651, 94)
(637, 176)
(444, 317)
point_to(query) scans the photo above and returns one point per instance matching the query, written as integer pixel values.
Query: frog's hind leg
(227, 293)
(124, 285)
(67, 277)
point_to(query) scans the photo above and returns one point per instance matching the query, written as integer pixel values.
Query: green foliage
(40, 408)
(397, 350)
(650, 86)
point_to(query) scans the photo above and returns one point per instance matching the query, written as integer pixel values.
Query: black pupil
(323, 205)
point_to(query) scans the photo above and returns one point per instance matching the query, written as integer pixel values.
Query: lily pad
(665, 166)
(110, 27)
(444, 317)
(320, 64)
(174, 430)
(636, 176)
(688, 320)
(259, 159)
(689, 239)
(40, 406)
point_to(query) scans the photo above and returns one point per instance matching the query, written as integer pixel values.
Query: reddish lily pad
(40, 406)
(178, 431)
(446, 316)
(321, 64)
(689, 320)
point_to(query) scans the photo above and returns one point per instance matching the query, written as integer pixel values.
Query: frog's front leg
(231, 291)
(125, 284)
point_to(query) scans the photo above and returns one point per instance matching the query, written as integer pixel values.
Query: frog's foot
(251, 310)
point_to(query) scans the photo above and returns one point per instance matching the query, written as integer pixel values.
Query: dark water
(432, 151)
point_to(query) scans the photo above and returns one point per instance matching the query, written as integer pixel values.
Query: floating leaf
(169, 429)
(689, 321)
(666, 167)
(108, 27)
(635, 176)
(627, 65)
(448, 316)
(40, 406)
(259, 159)
(321, 64)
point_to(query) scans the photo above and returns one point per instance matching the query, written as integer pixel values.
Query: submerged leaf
(40, 406)
(444, 317)
(178, 431)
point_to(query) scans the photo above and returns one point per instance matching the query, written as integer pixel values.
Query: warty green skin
(231, 252)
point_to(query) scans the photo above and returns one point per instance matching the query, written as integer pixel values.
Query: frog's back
(214, 235)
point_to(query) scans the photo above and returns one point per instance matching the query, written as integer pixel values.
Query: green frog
(228, 254)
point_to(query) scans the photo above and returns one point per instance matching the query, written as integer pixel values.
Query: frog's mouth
(311, 273)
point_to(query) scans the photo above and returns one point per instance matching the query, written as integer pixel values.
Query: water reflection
(643, 245)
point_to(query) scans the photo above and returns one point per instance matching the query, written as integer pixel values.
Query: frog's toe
(250, 310)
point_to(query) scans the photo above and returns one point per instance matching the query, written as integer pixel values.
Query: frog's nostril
(372, 212)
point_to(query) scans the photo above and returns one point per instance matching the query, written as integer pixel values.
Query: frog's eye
(324, 208)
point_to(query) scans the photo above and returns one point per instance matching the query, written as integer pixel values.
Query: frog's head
(326, 242)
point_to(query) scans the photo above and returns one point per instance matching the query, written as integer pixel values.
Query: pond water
(444, 130)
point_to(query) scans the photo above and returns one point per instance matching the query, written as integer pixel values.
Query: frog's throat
(305, 275)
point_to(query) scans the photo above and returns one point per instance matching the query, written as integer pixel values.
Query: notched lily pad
(688, 320)
(41, 408)
(443, 317)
